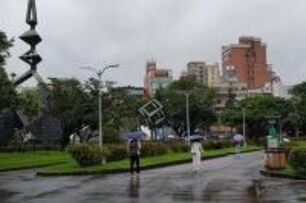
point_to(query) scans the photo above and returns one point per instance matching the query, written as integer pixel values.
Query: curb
(281, 175)
(31, 167)
(124, 170)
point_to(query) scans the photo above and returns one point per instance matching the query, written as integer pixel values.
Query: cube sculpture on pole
(153, 113)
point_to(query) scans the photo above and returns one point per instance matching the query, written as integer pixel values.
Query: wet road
(222, 180)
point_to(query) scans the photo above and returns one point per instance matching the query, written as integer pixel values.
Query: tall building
(214, 75)
(198, 69)
(206, 74)
(156, 78)
(133, 91)
(183, 75)
(228, 91)
(249, 59)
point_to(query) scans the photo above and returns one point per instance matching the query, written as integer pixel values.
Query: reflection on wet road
(227, 179)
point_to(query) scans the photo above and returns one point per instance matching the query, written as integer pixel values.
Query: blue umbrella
(138, 135)
(195, 137)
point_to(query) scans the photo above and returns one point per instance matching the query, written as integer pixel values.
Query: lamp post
(187, 94)
(99, 73)
(243, 126)
(187, 116)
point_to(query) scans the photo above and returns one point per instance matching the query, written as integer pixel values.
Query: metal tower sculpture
(44, 127)
(32, 38)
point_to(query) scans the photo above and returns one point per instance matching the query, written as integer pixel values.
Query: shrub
(116, 152)
(254, 142)
(297, 159)
(87, 155)
(111, 134)
(212, 144)
(29, 148)
(178, 146)
(258, 141)
(289, 146)
(153, 148)
(148, 148)
(217, 144)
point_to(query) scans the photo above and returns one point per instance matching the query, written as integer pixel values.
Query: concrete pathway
(228, 179)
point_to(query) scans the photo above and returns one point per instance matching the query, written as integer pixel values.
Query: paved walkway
(228, 179)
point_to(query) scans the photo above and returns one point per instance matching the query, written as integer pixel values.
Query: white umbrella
(238, 138)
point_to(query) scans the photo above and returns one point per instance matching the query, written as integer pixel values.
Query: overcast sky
(172, 32)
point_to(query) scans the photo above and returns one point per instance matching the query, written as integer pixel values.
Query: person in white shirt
(196, 150)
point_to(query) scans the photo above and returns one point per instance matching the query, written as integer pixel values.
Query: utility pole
(280, 131)
(100, 110)
(187, 94)
(187, 116)
(243, 128)
(99, 74)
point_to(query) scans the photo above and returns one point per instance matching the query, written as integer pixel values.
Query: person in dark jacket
(133, 150)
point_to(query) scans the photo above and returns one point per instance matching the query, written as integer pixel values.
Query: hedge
(116, 152)
(297, 160)
(153, 148)
(217, 144)
(177, 146)
(88, 155)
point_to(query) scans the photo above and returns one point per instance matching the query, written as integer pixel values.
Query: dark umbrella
(138, 135)
(195, 137)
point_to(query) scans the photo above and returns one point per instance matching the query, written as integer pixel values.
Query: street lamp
(99, 73)
(187, 94)
(243, 126)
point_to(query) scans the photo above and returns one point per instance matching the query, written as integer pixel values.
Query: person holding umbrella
(238, 140)
(133, 150)
(196, 150)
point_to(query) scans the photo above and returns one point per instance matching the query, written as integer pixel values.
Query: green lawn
(12, 161)
(72, 167)
(301, 143)
(288, 172)
(294, 144)
(63, 163)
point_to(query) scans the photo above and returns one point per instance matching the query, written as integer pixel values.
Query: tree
(7, 91)
(232, 116)
(298, 93)
(70, 104)
(123, 109)
(201, 101)
(76, 105)
(120, 110)
(258, 109)
(112, 133)
(30, 102)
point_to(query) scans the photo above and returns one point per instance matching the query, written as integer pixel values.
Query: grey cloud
(84, 32)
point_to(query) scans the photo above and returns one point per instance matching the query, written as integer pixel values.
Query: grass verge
(288, 173)
(26, 160)
(72, 168)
